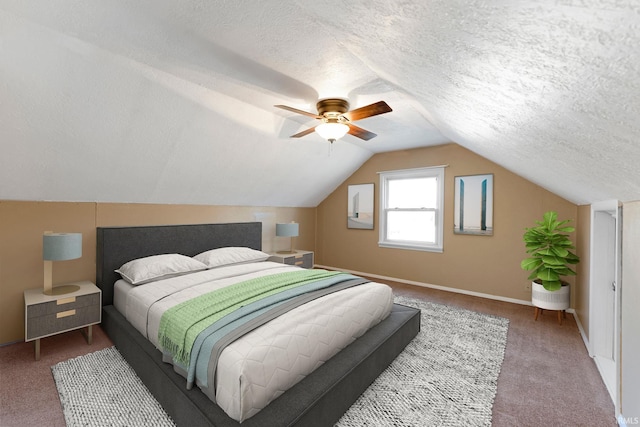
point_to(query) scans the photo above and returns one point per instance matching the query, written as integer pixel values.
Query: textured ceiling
(172, 102)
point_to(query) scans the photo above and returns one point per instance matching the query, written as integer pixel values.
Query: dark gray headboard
(117, 245)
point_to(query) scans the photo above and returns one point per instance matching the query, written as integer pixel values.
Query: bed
(319, 399)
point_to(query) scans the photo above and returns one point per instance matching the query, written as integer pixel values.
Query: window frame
(426, 172)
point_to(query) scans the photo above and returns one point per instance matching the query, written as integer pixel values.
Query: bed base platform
(318, 400)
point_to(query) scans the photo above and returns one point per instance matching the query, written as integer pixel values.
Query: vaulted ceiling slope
(172, 101)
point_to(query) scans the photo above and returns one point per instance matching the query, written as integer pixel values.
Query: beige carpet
(547, 377)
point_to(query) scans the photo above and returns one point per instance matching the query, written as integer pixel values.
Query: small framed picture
(473, 206)
(360, 206)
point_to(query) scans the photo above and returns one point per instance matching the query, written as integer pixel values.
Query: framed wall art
(473, 205)
(360, 206)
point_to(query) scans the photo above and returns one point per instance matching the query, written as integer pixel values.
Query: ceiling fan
(337, 119)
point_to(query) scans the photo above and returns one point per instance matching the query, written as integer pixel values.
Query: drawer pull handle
(299, 262)
(65, 314)
(65, 300)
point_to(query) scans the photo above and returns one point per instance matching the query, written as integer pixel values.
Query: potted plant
(550, 255)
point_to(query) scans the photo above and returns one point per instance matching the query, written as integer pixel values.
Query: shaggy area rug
(447, 376)
(101, 389)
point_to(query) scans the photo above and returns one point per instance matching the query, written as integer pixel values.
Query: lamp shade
(287, 230)
(61, 246)
(332, 130)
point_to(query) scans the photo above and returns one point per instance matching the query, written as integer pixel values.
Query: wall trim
(583, 334)
(438, 287)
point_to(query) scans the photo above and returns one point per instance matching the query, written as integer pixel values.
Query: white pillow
(157, 267)
(229, 256)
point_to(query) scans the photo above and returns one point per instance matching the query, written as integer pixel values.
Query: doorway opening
(604, 295)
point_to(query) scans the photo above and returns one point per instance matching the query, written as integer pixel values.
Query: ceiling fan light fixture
(337, 119)
(332, 130)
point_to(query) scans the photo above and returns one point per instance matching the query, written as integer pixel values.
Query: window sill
(409, 246)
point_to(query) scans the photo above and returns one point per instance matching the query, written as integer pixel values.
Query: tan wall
(489, 265)
(22, 225)
(485, 264)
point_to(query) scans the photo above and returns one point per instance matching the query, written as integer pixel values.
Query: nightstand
(302, 259)
(46, 315)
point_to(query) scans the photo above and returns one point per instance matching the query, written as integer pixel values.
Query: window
(411, 209)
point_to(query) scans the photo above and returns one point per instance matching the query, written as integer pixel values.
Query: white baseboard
(438, 287)
(583, 334)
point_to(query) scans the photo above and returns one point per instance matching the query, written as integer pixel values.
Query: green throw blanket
(181, 324)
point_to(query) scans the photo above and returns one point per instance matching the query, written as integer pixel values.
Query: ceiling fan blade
(303, 133)
(295, 110)
(360, 133)
(379, 107)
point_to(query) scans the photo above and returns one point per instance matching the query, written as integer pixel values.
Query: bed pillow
(229, 256)
(157, 267)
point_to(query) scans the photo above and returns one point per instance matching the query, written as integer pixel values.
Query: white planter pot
(550, 300)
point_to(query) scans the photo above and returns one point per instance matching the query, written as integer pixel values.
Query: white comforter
(259, 367)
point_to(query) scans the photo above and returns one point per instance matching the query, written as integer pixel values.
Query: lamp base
(61, 290)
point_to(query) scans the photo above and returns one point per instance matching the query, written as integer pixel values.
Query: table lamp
(287, 230)
(59, 247)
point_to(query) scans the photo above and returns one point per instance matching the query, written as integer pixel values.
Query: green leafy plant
(549, 249)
